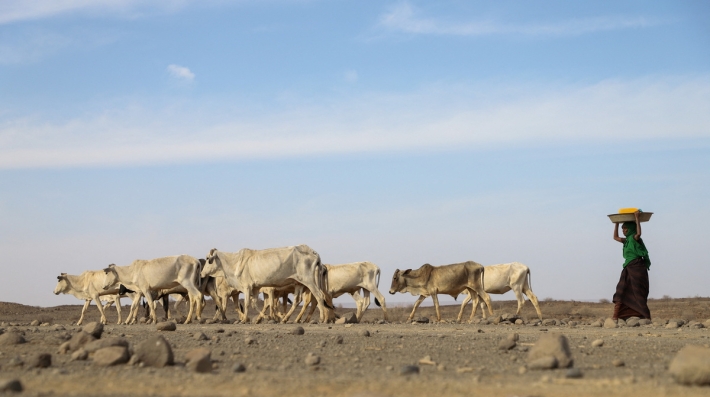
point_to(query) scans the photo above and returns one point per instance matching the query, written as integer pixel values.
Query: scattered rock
(633, 322)
(672, 324)
(691, 366)
(598, 343)
(514, 337)
(11, 338)
(421, 320)
(554, 345)
(104, 343)
(409, 370)
(519, 321)
(620, 322)
(312, 359)
(64, 348)
(11, 385)
(610, 323)
(200, 336)
(545, 362)
(644, 321)
(506, 344)
(597, 324)
(198, 360)
(79, 340)
(426, 361)
(618, 362)
(364, 332)
(94, 329)
(250, 340)
(298, 331)
(15, 362)
(496, 319)
(347, 318)
(697, 326)
(548, 322)
(34, 323)
(238, 367)
(166, 326)
(338, 339)
(154, 351)
(112, 355)
(41, 360)
(80, 355)
(574, 373)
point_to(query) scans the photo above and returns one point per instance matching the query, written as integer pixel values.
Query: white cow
(145, 276)
(248, 270)
(499, 279)
(350, 278)
(88, 286)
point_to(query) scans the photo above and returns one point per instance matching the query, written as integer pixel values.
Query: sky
(398, 132)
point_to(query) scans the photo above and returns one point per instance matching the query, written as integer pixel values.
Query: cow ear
(406, 272)
(59, 278)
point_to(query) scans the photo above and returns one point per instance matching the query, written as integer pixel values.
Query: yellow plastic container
(628, 210)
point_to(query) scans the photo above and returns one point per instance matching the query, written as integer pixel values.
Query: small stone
(11, 338)
(166, 326)
(598, 343)
(620, 322)
(506, 344)
(618, 362)
(697, 326)
(574, 373)
(238, 367)
(79, 340)
(426, 360)
(597, 324)
(633, 322)
(549, 322)
(691, 366)
(298, 331)
(154, 351)
(64, 348)
(34, 323)
(514, 337)
(421, 320)
(109, 356)
(409, 370)
(338, 339)
(250, 340)
(94, 329)
(312, 359)
(11, 385)
(321, 343)
(80, 355)
(364, 332)
(200, 336)
(15, 362)
(198, 360)
(347, 318)
(546, 362)
(609, 323)
(519, 322)
(41, 360)
(522, 370)
(673, 324)
(104, 343)
(554, 345)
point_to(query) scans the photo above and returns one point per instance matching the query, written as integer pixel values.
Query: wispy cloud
(181, 73)
(405, 18)
(434, 118)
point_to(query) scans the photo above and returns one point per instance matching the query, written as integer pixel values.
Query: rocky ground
(492, 357)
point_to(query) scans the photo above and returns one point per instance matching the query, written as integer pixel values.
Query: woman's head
(629, 228)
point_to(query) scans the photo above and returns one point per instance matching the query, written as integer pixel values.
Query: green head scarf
(634, 249)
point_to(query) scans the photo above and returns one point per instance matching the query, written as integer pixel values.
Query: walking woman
(630, 299)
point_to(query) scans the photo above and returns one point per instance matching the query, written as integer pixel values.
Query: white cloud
(181, 72)
(405, 18)
(433, 118)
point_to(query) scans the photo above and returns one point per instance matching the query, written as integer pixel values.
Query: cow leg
(118, 309)
(312, 309)
(476, 299)
(166, 306)
(380, 298)
(196, 301)
(463, 306)
(416, 305)
(435, 298)
(100, 307)
(484, 295)
(83, 310)
(151, 306)
(297, 299)
(531, 296)
(306, 302)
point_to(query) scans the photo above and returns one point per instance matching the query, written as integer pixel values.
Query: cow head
(62, 284)
(211, 265)
(399, 282)
(110, 277)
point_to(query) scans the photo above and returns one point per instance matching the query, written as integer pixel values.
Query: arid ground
(465, 358)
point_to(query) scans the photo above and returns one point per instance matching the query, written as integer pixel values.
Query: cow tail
(377, 284)
(529, 280)
(197, 276)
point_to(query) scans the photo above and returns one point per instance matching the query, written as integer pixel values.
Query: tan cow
(451, 280)
(88, 286)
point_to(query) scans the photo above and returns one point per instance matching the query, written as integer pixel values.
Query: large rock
(41, 360)
(79, 340)
(347, 318)
(112, 355)
(552, 345)
(546, 362)
(166, 326)
(154, 351)
(198, 360)
(609, 323)
(633, 322)
(10, 385)
(94, 329)
(11, 338)
(104, 343)
(691, 366)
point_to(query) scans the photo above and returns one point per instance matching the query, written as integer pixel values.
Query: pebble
(312, 359)
(426, 360)
(321, 343)
(597, 324)
(691, 366)
(166, 326)
(34, 323)
(409, 370)
(546, 362)
(672, 324)
(154, 352)
(422, 320)
(11, 338)
(598, 343)
(364, 332)
(574, 373)
(198, 360)
(250, 340)
(338, 339)
(514, 337)
(80, 355)
(79, 340)
(610, 323)
(200, 336)
(298, 331)
(112, 355)
(94, 329)
(618, 362)
(506, 344)
(633, 322)
(347, 318)
(519, 322)
(104, 343)
(41, 360)
(238, 367)
(11, 385)
(15, 362)
(554, 345)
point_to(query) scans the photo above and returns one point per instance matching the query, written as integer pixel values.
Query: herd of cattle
(279, 272)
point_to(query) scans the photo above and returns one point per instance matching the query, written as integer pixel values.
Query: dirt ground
(467, 358)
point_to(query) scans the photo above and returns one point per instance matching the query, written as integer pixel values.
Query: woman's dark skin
(637, 236)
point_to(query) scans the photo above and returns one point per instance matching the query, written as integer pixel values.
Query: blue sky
(400, 132)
